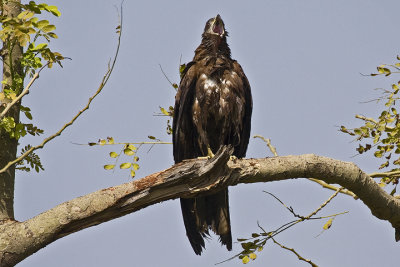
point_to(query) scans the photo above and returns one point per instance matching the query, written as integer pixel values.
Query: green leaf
(182, 69)
(360, 149)
(7, 123)
(383, 165)
(42, 23)
(393, 192)
(113, 154)
(165, 112)
(252, 256)
(52, 35)
(131, 147)
(102, 142)
(125, 165)
(133, 173)
(378, 154)
(48, 28)
(53, 10)
(135, 166)
(129, 152)
(328, 224)
(109, 167)
(40, 46)
(27, 14)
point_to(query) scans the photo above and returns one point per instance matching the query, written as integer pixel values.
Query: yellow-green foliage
(382, 135)
(33, 35)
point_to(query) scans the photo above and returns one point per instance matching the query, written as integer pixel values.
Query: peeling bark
(190, 178)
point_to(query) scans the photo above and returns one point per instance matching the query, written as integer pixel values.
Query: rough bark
(190, 178)
(9, 145)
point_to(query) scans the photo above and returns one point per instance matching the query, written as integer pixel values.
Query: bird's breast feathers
(218, 94)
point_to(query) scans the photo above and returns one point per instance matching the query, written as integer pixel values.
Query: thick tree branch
(18, 240)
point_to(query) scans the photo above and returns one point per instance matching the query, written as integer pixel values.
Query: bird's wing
(246, 123)
(184, 138)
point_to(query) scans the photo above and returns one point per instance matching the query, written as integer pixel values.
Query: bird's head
(215, 26)
(213, 40)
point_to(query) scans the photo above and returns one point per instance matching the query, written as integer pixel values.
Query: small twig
(166, 77)
(361, 117)
(294, 251)
(24, 92)
(288, 208)
(101, 86)
(384, 174)
(268, 141)
(334, 188)
(325, 203)
(302, 218)
(320, 182)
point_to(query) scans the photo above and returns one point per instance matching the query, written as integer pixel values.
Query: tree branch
(189, 178)
(294, 252)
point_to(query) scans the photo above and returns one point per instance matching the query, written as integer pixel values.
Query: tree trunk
(8, 146)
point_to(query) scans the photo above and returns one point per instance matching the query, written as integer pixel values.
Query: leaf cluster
(33, 35)
(128, 150)
(31, 160)
(170, 114)
(382, 135)
(252, 245)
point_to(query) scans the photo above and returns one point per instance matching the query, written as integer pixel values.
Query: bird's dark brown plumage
(213, 108)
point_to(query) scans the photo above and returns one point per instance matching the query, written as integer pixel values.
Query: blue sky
(303, 60)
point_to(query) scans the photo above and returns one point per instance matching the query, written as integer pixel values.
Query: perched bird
(213, 108)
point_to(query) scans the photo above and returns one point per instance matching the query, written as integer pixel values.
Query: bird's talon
(210, 154)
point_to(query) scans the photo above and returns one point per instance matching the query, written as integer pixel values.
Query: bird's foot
(210, 154)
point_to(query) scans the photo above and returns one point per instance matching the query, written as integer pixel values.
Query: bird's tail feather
(208, 212)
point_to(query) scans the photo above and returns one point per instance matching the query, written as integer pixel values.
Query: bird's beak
(218, 26)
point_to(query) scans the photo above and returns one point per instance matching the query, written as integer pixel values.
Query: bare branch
(297, 254)
(268, 141)
(325, 203)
